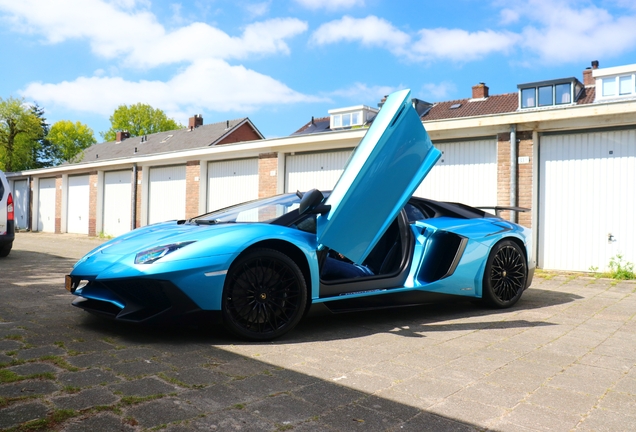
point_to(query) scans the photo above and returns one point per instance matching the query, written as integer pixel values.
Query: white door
(167, 193)
(232, 182)
(117, 202)
(21, 203)
(587, 200)
(78, 204)
(466, 173)
(46, 205)
(306, 171)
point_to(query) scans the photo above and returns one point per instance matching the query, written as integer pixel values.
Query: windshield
(263, 210)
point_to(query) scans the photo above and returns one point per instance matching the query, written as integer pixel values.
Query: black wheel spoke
(264, 295)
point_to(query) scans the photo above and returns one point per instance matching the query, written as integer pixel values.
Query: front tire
(505, 275)
(265, 295)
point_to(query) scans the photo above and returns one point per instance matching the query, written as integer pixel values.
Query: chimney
(122, 135)
(588, 79)
(382, 101)
(480, 91)
(195, 122)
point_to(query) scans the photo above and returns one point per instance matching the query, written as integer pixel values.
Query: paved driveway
(562, 359)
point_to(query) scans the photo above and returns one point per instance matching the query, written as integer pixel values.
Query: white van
(7, 217)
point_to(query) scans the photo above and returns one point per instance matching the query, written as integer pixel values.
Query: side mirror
(311, 202)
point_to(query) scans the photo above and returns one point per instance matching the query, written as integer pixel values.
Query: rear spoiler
(499, 209)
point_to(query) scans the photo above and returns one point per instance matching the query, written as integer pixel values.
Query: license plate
(68, 282)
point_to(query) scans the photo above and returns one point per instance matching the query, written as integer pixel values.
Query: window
(563, 93)
(625, 85)
(528, 98)
(356, 118)
(609, 86)
(337, 121)
(346, 120)
(545, 96)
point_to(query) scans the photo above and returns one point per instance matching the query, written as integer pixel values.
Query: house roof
(495, 104)
(315, 125)
(162, 142)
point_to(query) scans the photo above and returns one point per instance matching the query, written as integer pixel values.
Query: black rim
(507, 275)
(263, 296)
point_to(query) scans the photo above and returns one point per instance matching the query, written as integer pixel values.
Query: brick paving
(563, 359)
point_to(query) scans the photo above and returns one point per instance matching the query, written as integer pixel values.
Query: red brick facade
(524, 175)
(267, 174)
(243, 133)
(92, 199)
(58, 204)
(193, 173)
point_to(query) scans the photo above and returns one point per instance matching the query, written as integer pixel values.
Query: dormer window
(549, 93)
(615, 82)
(353, 116)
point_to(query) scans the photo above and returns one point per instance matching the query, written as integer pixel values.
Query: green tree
(19, 131)
(70, 139)
(44, 153)
(138, 119)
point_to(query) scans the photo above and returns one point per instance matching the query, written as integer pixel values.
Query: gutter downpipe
(513, 171)
(133, 199)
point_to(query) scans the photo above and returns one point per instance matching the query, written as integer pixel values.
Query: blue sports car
(260, 266)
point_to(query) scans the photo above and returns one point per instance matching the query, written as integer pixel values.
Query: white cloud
(331, 5)
(508, 16)
(436, 92)
(461, 45)
(138, 38)
(559, 31)
(210, 85)
(258, 9)
(363, 92)
(371, 31)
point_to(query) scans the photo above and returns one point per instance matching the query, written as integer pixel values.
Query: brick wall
(524, 172)
(267, 183)
(138, 200)
(243, 133)
(92, 203)
(192, 188)
(524, 175)
(58, 204)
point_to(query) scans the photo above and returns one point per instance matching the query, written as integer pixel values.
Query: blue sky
(280, 62)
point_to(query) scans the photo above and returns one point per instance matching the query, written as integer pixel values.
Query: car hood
(383, 173)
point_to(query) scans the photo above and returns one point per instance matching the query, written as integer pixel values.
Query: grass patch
(134, 400)
(59, 362)
(14, 337)
(7, 376)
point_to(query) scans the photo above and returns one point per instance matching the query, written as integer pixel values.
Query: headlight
(151, 255)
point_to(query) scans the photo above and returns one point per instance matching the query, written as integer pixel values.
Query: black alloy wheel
(505, 275)
(265, 295)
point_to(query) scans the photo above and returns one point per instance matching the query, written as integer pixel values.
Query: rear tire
(265, 295)
(505, 275)
(5, 249)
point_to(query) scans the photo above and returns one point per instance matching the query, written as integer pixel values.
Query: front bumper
(138, 300)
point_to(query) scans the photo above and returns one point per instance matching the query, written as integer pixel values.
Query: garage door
(21, 203)
(232, 182)
(305, 171)
(167, 193)
(78, 203)
(117, 202)
(46, 205)
(466, 173)
(587, 199)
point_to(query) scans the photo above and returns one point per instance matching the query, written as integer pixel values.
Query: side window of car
(1, 190)
(413, 213)
(307, 224)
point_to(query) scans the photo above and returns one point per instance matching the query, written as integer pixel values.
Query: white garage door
(587, 199)
(46, 205)
(321, 171)
(117, 202)
(21, 203)
(466, 173)
(232, 182)
(167, 193)
(78, 203)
